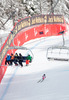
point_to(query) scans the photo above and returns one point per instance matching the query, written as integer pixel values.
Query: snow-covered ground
(21, 83)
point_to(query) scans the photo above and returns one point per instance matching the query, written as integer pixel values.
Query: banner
(36, 20)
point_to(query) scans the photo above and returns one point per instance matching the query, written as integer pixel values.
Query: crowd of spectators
(18, 59)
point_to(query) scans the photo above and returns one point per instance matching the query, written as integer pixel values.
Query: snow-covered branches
(23, 8)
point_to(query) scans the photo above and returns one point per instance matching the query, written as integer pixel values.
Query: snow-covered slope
(21, 83)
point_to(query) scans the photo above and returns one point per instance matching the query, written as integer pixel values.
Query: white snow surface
(20, 83)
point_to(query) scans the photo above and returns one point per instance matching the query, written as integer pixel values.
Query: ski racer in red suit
(43, 77)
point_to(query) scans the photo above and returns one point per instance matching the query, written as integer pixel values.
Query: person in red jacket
(43, 77)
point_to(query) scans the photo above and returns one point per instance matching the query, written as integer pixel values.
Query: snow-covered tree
(23, 8)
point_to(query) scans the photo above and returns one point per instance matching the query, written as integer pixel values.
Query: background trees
(18, 9)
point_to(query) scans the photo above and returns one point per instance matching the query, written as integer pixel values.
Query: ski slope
(21, 83)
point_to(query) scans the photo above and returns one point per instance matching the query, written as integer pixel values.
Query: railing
(60, 53)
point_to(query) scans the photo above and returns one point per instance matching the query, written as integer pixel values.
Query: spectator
(16, 59)
(12, 59)
(29, 58)
(20, 59)
(8, 58)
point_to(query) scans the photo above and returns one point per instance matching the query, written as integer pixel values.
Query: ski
(40, 81)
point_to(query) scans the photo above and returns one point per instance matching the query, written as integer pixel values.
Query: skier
(43, 77)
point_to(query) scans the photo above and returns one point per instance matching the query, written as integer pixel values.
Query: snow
(8, 27)
(20, 83)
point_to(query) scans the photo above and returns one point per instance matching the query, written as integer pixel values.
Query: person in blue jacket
(8, 58)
